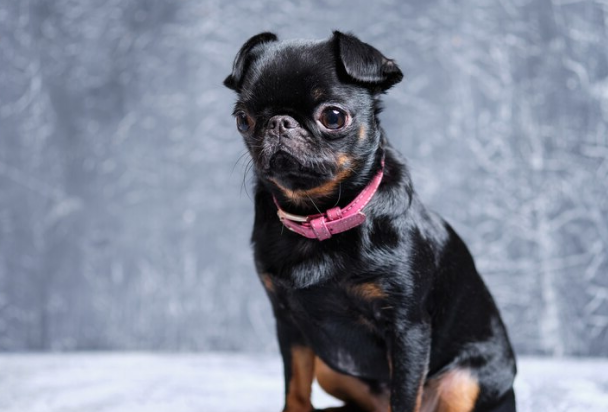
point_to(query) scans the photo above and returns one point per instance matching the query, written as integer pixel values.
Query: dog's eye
(243, 122)
(333, 118)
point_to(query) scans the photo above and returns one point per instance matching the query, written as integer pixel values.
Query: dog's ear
(365, 64)
(243, 59)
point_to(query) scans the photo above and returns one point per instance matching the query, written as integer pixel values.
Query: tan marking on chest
(368, 291)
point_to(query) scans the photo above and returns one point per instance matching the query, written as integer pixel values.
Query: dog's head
(307, 109)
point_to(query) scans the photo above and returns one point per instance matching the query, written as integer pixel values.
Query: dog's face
(306, 110)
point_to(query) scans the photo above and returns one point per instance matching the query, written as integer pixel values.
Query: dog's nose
(282, 123)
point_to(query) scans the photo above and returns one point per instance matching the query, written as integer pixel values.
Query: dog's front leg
(298, 362)
(409, 356)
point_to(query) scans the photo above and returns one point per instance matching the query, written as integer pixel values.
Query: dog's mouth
(296, 172)
(285, 162)
(292, 172)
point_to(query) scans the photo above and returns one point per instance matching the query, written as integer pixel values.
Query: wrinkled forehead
(288, 73)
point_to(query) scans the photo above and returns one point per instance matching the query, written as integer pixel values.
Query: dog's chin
(290, 173)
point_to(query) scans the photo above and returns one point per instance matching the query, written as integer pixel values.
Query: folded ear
(365, 64)
(243, 59)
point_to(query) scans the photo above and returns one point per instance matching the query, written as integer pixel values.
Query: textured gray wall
(124, 220)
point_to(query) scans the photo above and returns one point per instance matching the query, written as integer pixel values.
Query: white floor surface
(221, 382)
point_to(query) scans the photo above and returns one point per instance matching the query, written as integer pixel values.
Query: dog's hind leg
(357, 395)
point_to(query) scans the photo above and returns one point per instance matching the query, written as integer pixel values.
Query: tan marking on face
(454, 391)
(344, 160)
(350, 389)
(368, 291)
(324, 190)
(267, 282)
(300, 384)
(317, 93)
(362, 132)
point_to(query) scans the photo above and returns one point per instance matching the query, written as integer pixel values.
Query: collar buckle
(283, 215)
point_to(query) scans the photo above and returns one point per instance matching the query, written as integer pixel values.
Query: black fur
(434, 314)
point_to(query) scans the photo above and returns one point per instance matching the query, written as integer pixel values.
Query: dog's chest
(343, 324)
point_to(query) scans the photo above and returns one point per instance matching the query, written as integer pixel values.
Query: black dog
(373, 295)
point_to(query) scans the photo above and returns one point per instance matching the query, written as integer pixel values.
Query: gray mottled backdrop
(124, 220)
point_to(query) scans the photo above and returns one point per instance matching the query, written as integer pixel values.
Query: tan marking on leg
(350, 389)
(368, 291)
(267, 282)
(300, 385)
(454, 391)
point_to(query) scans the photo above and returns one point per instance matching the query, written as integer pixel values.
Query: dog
(374, 295)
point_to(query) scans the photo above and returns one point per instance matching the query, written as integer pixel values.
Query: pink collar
(336, 220)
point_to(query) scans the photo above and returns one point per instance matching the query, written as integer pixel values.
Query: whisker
(339, 194)
(314, 204)
(245, 153)
(248, 168)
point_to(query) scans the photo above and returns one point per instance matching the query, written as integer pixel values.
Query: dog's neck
(327, 196)
(324, 225)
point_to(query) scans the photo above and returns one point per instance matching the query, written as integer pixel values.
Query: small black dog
(373, 295)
